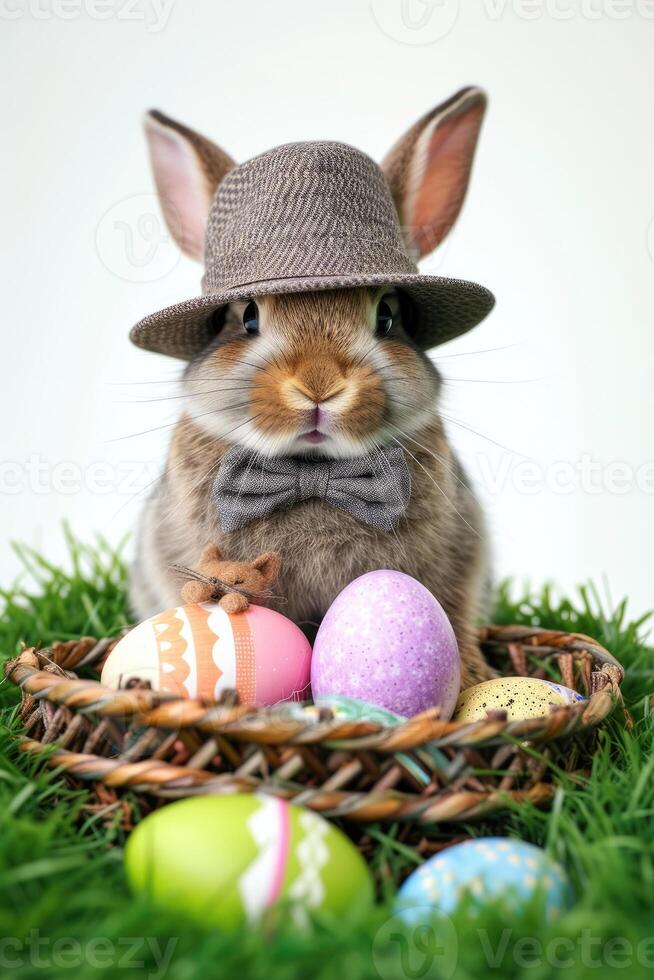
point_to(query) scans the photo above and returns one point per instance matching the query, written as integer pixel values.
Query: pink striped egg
(198, 651)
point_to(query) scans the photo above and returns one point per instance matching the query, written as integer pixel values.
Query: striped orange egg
(199, 651)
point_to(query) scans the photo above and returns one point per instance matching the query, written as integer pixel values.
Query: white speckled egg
(520, 697)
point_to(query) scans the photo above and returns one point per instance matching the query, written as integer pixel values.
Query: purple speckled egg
(386, 640)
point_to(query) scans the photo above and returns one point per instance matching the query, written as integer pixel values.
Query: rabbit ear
(187, 170)
(429, 167)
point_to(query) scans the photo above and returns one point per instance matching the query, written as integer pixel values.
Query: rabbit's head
(334, 372)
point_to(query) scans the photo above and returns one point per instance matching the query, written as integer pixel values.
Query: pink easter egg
(200, 651)
(386, 640)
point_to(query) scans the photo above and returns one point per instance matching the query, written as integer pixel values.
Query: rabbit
(342, 363)
(240, 582)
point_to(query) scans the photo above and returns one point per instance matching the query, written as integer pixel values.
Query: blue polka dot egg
(490, 869)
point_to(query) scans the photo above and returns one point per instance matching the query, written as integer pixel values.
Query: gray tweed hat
(302, 217)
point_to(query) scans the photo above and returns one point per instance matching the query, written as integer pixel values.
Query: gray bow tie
(249, 486)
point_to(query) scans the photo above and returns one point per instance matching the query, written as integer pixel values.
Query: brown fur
(317, 362)
(440, 539)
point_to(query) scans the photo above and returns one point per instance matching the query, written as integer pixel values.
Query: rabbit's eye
(384, 318)
(251, 318)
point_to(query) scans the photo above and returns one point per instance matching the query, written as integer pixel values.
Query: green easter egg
(224, 860)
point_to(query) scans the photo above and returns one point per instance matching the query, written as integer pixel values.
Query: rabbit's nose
(301, 393)
(316, 394)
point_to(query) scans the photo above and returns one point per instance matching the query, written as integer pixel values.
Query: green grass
(65, 910)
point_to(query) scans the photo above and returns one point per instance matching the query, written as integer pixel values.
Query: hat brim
(446, 308)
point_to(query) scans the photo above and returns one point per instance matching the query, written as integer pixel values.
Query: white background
(558, 223)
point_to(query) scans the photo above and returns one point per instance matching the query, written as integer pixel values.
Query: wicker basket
(422, 771)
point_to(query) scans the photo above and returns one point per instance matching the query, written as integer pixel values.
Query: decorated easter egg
(352, 709)
(224, 860)
(200, 650)
(567, 693)
(386, 640)
(490, 869)
(520, 697)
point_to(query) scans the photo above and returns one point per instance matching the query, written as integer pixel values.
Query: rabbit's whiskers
(492, 381)
(255, 367)
(384, 463)
(438, 486)
(188, 394)
(205, 477)
(468, 428)
(436, 456)
(185, 461)
(474, 353)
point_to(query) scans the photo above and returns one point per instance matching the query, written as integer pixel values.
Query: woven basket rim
(355, 770)
(277, 724)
